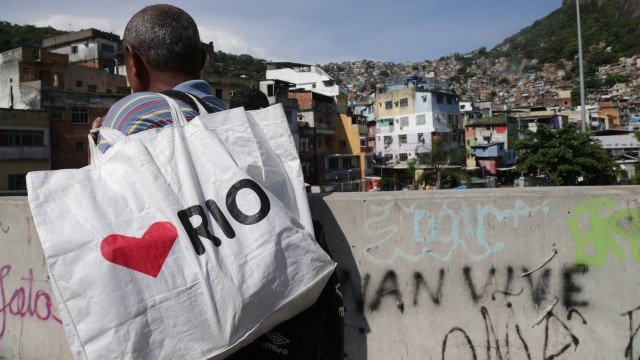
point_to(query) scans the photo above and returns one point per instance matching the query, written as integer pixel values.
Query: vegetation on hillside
(14, 36)
(29, 36)
(238, 65)
(554, 37)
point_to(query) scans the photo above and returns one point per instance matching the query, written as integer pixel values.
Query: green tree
(442, 162)
(564, 155)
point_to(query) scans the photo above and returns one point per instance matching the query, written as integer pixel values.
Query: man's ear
(137, 70)
(203, 59)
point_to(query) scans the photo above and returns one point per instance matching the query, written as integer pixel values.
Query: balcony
(489, 151)
(384, 129)
(24, 153)
(338, 174)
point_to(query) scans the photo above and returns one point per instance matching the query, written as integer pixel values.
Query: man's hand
(95, 126)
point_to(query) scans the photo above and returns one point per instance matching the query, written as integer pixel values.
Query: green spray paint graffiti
(602, 230)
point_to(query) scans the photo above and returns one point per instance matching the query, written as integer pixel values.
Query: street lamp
(583, 110)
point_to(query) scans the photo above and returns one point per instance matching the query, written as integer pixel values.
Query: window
(306, 167)
(439, 98)
(270, 90)
(74, 49)
(404, 157)
(92, 88)
(55, 144)
(333, 164)
(24, 70)
(342, 143)
(57, 114)
(58, 80)
(107, 48)
(403, 139)
(9, 137)
(421, 119)
(18, 182)
(449, 99)
(421, 138)
(404, 121)
(388, 105)
(313, 86)
(219, 93)
(363, 142)
(304, 144)
(79, 116)
(78, 83)
(388, 140)
(80, 145)
(404, 102)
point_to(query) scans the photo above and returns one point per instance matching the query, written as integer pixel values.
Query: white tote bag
(259, 141)
(166, 249)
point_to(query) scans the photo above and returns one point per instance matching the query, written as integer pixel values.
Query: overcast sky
(313, 31)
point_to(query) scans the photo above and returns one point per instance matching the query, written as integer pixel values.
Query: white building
(91, 48)
(307, 77)
(411, 116)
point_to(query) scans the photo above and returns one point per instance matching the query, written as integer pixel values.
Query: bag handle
(112, 136)
(109, 136)
(193, 101)
(94, 153)
(176, 113)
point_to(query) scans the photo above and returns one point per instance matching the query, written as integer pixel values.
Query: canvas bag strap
(176, 113)
(193, 101)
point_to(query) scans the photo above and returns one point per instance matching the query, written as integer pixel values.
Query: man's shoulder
(132, 105)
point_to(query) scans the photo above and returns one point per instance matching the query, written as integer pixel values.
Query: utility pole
(583, 110)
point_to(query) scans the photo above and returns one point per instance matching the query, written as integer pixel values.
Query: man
(161, 52)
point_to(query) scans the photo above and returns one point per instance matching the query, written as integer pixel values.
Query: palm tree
(442, 162)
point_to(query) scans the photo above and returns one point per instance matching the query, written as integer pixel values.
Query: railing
(384, 129)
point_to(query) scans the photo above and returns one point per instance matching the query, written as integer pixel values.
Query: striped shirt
(147, 110)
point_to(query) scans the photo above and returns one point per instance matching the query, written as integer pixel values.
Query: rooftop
(494, 120)
(77, 36)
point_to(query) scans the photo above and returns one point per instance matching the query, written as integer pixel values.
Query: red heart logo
(146, 254)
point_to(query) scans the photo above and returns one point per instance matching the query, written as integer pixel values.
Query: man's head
(162, 48)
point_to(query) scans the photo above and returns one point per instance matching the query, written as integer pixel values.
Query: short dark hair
(167, 37)
(250, 99)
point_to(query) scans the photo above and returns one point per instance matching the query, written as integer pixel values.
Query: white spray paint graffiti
(434, 234)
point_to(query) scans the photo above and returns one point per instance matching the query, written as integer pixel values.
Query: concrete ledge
(427, 274)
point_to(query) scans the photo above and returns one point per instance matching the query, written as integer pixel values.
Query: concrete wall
(444, 274)
(29, 320)
(545, 273)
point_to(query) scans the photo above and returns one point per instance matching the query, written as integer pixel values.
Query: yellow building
(351, 139)
(395, 103)
(24, 146)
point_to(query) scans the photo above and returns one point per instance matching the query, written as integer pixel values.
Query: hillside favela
(476, 202)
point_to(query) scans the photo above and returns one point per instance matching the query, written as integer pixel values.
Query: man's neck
(167, 81)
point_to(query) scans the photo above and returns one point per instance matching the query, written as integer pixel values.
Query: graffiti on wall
(599, 230)
(454, 225)
(26, 301)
